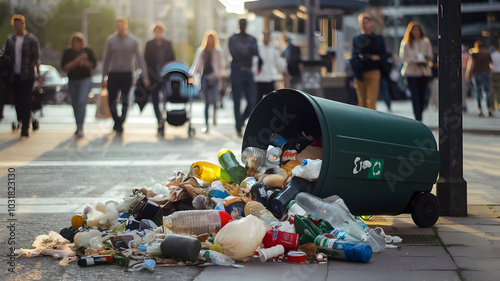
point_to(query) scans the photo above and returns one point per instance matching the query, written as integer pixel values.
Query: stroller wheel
(191, 131)
(36, 125)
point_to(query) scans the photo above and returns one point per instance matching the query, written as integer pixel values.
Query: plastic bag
(102, 111)
(239, 239)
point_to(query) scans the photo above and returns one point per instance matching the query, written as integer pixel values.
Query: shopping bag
(102, 111)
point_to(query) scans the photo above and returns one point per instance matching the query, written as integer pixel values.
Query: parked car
(55, 86)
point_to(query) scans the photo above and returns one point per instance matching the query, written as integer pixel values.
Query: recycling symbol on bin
(375, 165)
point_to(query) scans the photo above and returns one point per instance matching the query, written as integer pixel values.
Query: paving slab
(469, 228)
(266, 272)
(393, 274)
(491, 275)
(475, 239)
(478, 263)
(416, 260)
(469, 220)
(474, 252)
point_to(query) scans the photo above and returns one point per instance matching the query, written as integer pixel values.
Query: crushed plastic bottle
(217, 258)
(335, 199)
(259, 210)
(308, 169)
(196, 221)
(201, 202)
(254, 159)
(337, 216)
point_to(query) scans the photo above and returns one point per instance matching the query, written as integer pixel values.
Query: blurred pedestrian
(24, 50)
(495, 77)
(465, 80)
(416, 54)
(78, 61)
(368, 58)
(158, 52)
(272, 66)
(478, 69)
(208, 62)
(122, 49)
(384, 81)
(243, 47)
(293, 75)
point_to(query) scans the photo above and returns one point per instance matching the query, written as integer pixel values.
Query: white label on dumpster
(360, 165)
(375, 165)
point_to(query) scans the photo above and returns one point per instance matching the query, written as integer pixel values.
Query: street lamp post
(85, 21)
(451, 186)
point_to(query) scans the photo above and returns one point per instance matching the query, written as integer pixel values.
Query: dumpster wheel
(425, 210)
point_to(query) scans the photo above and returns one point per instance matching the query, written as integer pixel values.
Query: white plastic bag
(239, 239)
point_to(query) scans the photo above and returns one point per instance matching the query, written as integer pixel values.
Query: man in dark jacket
(293, 60)
(158, 52)
(24, 51)
(243, 47)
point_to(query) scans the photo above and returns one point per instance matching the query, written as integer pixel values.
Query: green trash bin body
(377, 162)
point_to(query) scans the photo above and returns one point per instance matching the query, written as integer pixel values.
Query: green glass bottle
(229, 163)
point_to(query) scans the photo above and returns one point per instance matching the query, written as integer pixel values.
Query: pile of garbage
(220, 215)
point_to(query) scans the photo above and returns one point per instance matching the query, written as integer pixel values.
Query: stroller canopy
(176, 66)
(176, 77)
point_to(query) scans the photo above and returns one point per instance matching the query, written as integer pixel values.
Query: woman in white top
(272, 66)
(208, 63)
(416, 54)
(495, 78)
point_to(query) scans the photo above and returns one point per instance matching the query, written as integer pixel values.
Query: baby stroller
(178, 90)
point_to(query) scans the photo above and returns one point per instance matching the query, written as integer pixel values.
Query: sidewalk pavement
(472, 123)
(456, 248)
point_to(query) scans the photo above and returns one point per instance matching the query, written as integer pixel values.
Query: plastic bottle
(217, 258)
(254, 159)
(208, 172)
(259, 210)
(265, 254)
(294, 187)
(339, 249)
(296, 209)
(196, 221)
(337, 216)
(308, 169)
(184, 247)
(201, 202)
(290, 241)
(335, 199)
(103, 259)
(229, 163)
